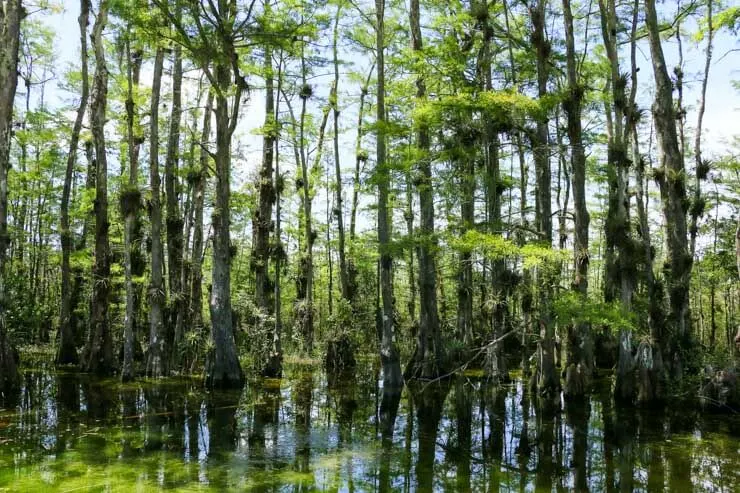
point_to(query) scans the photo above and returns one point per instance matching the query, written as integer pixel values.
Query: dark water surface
(72, 433)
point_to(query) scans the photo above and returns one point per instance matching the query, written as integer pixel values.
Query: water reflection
(69, 432)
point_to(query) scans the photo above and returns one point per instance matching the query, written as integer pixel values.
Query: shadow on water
(68, 432)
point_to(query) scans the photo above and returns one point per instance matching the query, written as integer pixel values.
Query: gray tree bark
(428, 360)
(174, 221)
(392, 378)
(67, 351)
(130, 204)
(99, 351)
(579, 343)
(672, 182)
(702, 168)
(10, 26)
(546, 378)
(196, 254)
(223, 369)
(156, 365)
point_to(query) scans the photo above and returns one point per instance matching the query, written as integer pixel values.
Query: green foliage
(495, 247)
(507, 108)
(574, 308)
(729, 18)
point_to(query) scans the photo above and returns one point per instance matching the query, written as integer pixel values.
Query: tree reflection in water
(69, 432)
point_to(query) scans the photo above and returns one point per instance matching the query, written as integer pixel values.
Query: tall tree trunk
(697, 206)
(428, 360)
(304, 309)
(79, 323)
(263, 214)
(547, 380)
(67, 351)
(280, 251)
(620, 268)
(652, 381)
(223, 369)
(579, 344)
(466, 166)
(10, 26)
(156, 365)
(408, 216)
(99, 351)
(174, 221)
(523, 220)
(541, 137)
(196, 283)
(339, 201)
(263, 225)
(671, 180)
(392, 378)
(360, 156)
(130, 205)
(495, 366)
(496, 361)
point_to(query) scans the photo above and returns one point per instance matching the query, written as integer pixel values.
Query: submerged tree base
(222, 375)
(720, 391)
(340, 355)
(8, 366)
(67, 355)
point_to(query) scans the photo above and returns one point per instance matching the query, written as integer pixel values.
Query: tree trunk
(495, 359)
(541, 136)
(156, 365)
(495, 365)
(280, 251)
(78, 323)
(196, 283)
(579, 343)
(99, 351)
(263, 214)
(360, 157)
(547, 380)
(339, 201)
(130, 205)
(10, 26)
(223, 369)
(408, 216)
(702, 168)
(620, 269)
(671, 180)
(737, 246)
(429, 359)
(263, 225)
(392, 378)
(465, 262)
(174, 221)
(67, 351)
(304, 309)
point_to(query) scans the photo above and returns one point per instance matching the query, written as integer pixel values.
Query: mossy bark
(428, 360)
(579, 343)
(174, 220)
(10, 26)
(671, 180)
(67, 350)
(99, 350)
(546, 376)
(196, 254)
(130, 205)
(392, 377)
(223, 369)
(156, 365)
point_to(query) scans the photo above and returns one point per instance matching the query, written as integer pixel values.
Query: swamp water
(70, 433)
